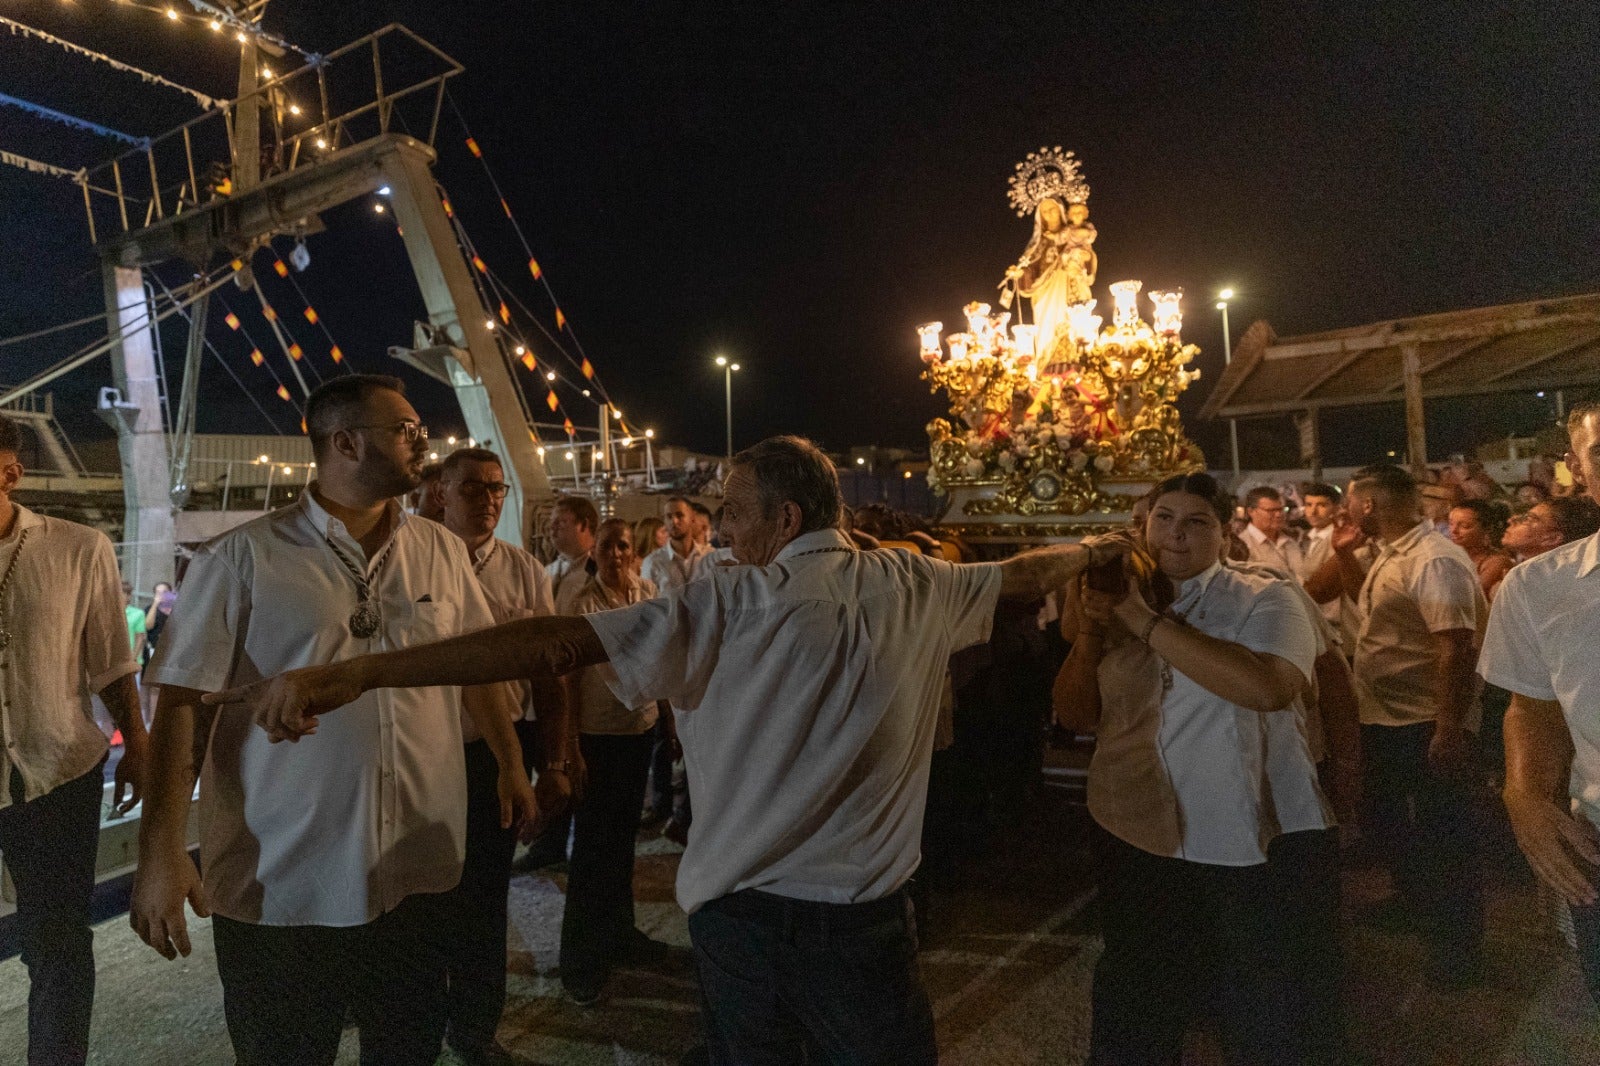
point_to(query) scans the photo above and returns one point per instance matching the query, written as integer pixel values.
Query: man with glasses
(472, 490)
(1549, 524)
(1269, 544)
(325, 860)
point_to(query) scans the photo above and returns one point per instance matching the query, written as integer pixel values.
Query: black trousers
(1422, 826)
(786, 981)
(477, 965)
(1245, 946)
(286, 989)
(599, 908)
(49, 846)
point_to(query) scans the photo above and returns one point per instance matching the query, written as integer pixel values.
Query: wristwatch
(563, 766)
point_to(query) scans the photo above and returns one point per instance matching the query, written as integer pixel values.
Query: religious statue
(1059, 265)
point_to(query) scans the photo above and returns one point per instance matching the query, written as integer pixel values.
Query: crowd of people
(1273, 685)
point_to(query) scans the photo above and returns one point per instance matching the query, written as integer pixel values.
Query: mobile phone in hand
(1110, 577)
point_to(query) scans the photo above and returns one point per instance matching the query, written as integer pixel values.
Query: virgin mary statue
(1058, 266)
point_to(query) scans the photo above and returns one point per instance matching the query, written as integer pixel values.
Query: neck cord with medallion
(365, 619)
(5, 583)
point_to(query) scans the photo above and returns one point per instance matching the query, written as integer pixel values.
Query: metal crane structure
(212, 191)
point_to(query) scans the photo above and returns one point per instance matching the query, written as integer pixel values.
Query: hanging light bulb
(172, 14)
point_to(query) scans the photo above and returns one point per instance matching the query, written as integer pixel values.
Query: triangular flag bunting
(232, 320)
(482, 268)
(533, 268)
(338, 356)
(449, 211)
(256, 357)
(296, 352)
(311, 315)
(561, 320)
(302, 425)
(281, 267)
(527, 361)
(505, 206)
(567, 425)
(551, 401)
(237, 264)
(266, 309)
(588, 369)
(283, 393)
(472, 146)
(505, 313)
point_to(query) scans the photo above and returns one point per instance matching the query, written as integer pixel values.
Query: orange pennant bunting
(551, 401)
(283, 393)
(311, 315)
(528, 361)
(505, 313)
(472, 146)
(561, 319)
(281, 267)
(449, 211)
(482, 268)
(533, 268)
(266, 309)
(338, 356)
(302, 425)
(232, 320)
(567, 425)
(296, 352)
(237, 264)
(505, 206)
(588, 369)
(256, 356)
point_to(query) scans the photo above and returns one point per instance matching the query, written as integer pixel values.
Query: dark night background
(799, 185)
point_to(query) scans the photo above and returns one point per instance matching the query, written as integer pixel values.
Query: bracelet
(1149, 628)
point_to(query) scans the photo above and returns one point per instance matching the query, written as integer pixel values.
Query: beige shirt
(1282, 554)
(806, 694)
(1181, 772)
(567, 574)
(1419, 585)
(1541, 644)
(668, 571)
(516, 586)
(599, 710)
(69, 639)
(340, 827)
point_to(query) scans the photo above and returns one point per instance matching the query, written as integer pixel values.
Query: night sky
(799, 185)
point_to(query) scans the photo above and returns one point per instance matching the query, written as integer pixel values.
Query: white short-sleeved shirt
(1541, 644)
(1419, 585)
(1187, 774)
(69, 639)
(668, 571)
(567, 574)
(516, 586)
(340, 827)
(599, 709)
(1318, 549)
(1281, 554)
(806, 693)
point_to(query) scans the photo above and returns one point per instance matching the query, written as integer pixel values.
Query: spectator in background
(1476, 527)
(424, 499)
(572, 526)
(1547, 525)
(155, 620)
(1267, 537)
(1528, 493)
(702, 523)
(136, 625)
(649, 534)
(1437, 499)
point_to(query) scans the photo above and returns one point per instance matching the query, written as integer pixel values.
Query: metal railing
(362, 90)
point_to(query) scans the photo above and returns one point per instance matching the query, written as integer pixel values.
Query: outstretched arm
(1042, 571)
(526, 647)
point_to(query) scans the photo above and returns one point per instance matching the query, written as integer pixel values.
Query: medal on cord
(5, 583)
(365, 619)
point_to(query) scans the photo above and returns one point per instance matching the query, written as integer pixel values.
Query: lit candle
(930, 341)
(1125, 295)
(1083, 323)
(958, 343)
(1023, 339)
(1164, 314)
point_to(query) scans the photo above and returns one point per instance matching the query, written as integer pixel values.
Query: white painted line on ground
(1025, 942)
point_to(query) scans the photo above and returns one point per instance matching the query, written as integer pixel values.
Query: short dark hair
(1387, 480)
(1259, 493)
(333, 404)
(793, 470)
(1323, 489)
(1576, 516)
(10, 436)
(581, 509)
(453, 461)
(615, 523)
(432, 471)
(699, 508)
(1202, 485)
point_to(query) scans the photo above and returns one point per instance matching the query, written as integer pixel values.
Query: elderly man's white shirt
(1541, 644)
(1188, 774)
(340, 827)
(668, 571)
(806, 693)
(1419, 585)
(567, 574)
(1282, 554)
(69, 639)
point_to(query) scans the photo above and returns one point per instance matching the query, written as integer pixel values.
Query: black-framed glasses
(495, 490)
(412, 431)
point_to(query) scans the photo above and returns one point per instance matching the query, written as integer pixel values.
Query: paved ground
(1009, 954)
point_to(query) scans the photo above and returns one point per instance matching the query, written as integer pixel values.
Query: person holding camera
(1196, 683)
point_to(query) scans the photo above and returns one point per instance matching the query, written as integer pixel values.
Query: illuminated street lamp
(1227, 358)
(727, 392)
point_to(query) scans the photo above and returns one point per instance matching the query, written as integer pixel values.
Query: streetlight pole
(1227, 359)
(727, 393)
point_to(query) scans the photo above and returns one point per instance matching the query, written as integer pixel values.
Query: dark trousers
(49, 847)
(286, 989)
(477, 965)
(667, 798)
(786, 981)
(599, 909)
(1586, 924)
(1187, 940)
(1422, 828)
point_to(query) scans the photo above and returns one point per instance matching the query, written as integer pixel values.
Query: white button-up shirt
(69, 639)
(599, 709)
(668, 571)
(567, 574)
(806, 693)
(1419, 585)
(1541, 644)
(340, 827)
(1187, 774)
(516, 586)
(1281, 554)
(1318, 549)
